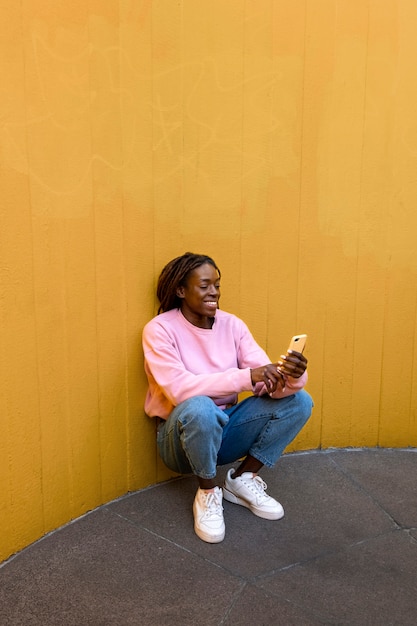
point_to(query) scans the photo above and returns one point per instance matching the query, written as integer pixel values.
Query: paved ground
(345, 553)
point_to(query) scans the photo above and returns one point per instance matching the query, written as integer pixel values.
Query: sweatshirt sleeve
(163, 362)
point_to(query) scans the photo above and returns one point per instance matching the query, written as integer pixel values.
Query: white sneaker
(208, 515)
(249, 490)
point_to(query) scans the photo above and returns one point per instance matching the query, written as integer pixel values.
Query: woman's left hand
(292, 364)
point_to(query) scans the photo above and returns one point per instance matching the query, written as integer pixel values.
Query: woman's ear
(180, 292)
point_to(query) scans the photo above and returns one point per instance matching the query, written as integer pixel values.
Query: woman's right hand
(270, 375)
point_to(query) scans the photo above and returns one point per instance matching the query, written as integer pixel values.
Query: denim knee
(304, 405)
(203, 414)
(201, 430)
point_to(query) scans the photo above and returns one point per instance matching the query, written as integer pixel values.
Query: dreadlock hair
(174, 275)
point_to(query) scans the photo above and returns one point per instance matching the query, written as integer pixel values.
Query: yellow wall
(278, 136)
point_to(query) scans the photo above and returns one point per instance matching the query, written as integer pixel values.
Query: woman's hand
(292, 364)
(270, 375)
(274, 375)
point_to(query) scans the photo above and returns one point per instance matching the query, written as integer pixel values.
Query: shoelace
(258, 485)
(213, 506)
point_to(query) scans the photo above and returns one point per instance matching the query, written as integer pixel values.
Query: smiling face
(200, 296)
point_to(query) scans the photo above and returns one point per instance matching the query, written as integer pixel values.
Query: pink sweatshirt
(183, 360)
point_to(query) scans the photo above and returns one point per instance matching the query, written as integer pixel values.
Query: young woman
(198, 358)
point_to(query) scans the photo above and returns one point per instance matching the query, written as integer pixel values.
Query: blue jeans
(198, 435)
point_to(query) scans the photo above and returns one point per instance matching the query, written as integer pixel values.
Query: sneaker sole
(209, 538)
(271, 515)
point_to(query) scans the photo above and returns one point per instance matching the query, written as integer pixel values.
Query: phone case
(298, 343)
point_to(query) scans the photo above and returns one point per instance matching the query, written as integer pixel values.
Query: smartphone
(298, 343)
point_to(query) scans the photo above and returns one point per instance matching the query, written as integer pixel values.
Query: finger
(295, 360)
(295, 356)
(271, 385)
(272, 378)
(267, 379)
(281, 379)
(292, 367)
(278, 377)
(286, 365)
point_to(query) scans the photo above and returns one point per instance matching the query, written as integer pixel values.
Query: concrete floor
(345, 553)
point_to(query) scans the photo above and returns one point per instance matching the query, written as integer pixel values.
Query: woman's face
(200, 296)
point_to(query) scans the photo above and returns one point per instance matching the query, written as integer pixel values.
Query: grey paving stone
(256, 606)
(105, 571)
(389, 475)
(373, 582)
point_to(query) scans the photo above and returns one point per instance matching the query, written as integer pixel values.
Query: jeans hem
(264, 461)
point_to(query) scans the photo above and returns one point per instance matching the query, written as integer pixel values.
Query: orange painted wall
(278, 136)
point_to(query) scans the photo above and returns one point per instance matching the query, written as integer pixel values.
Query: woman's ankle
(249, 464)
(207, 483)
